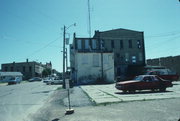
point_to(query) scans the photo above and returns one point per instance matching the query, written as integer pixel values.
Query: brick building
(28, 69)
(128, 47)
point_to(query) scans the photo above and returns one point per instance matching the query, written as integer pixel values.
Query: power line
(39, 50)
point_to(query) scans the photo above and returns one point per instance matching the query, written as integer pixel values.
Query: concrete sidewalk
(102, 94)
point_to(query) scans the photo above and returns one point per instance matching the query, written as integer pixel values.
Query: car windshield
(138, 78)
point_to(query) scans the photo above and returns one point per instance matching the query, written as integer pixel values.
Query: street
(18, 102)
(39, 102)
(86, 110)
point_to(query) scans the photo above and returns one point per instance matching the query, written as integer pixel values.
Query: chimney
(27, 60)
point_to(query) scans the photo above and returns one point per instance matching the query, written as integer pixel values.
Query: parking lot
(102, 94)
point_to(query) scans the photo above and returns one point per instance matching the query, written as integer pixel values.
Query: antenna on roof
(89, 19)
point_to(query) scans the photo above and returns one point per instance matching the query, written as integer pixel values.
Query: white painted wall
(88, 66)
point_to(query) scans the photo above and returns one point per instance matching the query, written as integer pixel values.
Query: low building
(90, 63)
(28, 69)
(5, 76)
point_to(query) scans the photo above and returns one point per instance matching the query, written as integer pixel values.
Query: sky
(33, 29)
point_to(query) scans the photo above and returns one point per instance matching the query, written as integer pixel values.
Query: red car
(144, 82)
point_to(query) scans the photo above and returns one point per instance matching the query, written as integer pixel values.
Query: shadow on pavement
(43, 92)
(141, 92)
(56, 119)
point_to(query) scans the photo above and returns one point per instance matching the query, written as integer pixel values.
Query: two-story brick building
(28, 69)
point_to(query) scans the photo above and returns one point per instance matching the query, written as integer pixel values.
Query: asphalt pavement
(18, 102)
(103, 94)
(86, 110)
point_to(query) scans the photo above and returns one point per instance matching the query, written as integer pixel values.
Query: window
(138, 44)
(140, 57)
(24, 68)
(79, 44)
(112, 43)
(130, 43)
(117, 55)
(127, 57)
(94, 44)
(6, 69)
(30, 69)
(12, 68)
(133, 59)
(96, 60)
(121, 44)
(102, 44)
(86, 44)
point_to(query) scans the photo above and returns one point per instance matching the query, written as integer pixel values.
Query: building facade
(89, 64)
(88, 69)
(128, 48)
(28, 69)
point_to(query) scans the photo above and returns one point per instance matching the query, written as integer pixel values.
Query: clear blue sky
(33, 28)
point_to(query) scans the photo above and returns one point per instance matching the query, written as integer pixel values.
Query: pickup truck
(164, 75)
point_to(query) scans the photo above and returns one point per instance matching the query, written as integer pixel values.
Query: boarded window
(105, 59)
(84, 59)
(86, 44)
(79, 44)
(94, 44)
(96, 60)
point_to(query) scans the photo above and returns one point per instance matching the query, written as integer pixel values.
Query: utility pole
(64, 38)
(66, 81)
(102, 66)
(66, 61)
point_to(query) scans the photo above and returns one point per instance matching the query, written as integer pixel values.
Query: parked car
(144, 82)
(167, 75)
(54, 81)
(14, 80)
(47, 80)
(35, 79)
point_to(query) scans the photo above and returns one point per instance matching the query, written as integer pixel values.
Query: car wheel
(162, 89)
(132, 91)
(124, 91)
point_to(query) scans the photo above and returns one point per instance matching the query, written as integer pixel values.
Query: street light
(66, 82)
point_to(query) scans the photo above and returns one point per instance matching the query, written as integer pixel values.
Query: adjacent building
(171, 62)
(128, 48)
(28, 69)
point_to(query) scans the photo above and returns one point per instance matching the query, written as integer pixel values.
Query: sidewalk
(102, 94)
